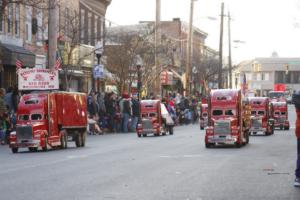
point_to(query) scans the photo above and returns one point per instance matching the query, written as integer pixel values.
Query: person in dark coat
(135, 112)
(110, 105)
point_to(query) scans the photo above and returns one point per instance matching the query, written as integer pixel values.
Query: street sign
(98, 71)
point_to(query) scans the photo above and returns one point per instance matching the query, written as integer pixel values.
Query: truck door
(52, 116)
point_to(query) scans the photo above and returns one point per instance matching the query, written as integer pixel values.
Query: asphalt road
(125, 167)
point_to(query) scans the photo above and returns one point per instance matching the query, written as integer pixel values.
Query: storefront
(9, 54)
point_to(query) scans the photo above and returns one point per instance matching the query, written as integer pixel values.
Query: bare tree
(121, 49)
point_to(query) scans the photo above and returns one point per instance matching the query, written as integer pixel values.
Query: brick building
(24, 32)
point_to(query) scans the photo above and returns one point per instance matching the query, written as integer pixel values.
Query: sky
(264, 25)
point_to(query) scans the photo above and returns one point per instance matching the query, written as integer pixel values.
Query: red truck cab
(155, 119)
(203, 116)
(48, 119)
(227, 118)
(280, 115)
(261, 117)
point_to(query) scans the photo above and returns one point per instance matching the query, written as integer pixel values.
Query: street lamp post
(98, 52)
(139, 64)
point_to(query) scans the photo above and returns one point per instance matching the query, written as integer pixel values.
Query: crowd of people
(109, 112)
(8, 106)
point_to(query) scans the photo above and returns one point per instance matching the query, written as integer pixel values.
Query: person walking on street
(110, 105)
(135, 112)
(126, 112)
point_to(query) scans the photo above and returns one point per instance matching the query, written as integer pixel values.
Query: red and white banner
(38, 79)
(166, 78)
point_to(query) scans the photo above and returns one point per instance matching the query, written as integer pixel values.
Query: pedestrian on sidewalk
(296, 100)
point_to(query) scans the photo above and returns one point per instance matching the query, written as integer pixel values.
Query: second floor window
(17, 20)
(10, 18)
(28, 13)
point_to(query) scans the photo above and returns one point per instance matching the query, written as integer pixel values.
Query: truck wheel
(14, 149)
(201, 128)
(33, 149)
(83, 138)
(45, 148)
(287, 128)
(64, 141)
(208, 145)
(247, 137)
(144, 135)
(139, 135)
(238, 144)
(171, 130)
(78, 140)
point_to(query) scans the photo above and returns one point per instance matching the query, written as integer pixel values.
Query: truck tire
(14, 150)
(209, 145)
(78, 140)
(45, 148)
(287, 128)
(171, 130)
(163, 129)
(64, 140)
(201, 128)
(83, 138)
(139, 135)
(33, 149)
(247, 137)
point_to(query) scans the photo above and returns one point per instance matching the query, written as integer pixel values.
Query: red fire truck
(280, 115)
(203, 116)
(228, 118)
(261, 116)
(48, 119)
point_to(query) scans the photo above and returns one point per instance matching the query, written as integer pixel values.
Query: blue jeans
(297, 172)
(125, 119)
(134, 121)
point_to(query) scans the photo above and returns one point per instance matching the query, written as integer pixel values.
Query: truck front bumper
(229, 139)
(30, 143)
(257, 129)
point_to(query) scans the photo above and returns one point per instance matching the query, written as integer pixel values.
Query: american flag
(58, 61)
(19, 65)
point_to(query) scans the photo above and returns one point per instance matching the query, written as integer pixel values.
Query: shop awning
(10, 53)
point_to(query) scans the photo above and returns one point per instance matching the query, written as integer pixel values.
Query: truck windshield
(23, 117)
(276, 95)
(261, 112)
(230, 112)
(36, 117)
(217, 112)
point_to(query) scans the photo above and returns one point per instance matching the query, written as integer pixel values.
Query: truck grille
(147, 124)
(256, 123)
(222, 127)
(281, 119)
(24, 133)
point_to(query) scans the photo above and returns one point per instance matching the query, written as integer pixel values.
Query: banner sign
(166, 78)
(98, 71)
(38, 79)
(279, 87)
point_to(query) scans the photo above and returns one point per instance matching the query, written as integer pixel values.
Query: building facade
(24, 36)
(262, 74)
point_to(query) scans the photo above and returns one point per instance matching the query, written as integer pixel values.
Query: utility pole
(52, 33)
(229, 52)
(157, 86)
(189, 51)
(220, 78)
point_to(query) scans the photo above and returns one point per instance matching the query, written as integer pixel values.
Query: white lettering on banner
(38, 79)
